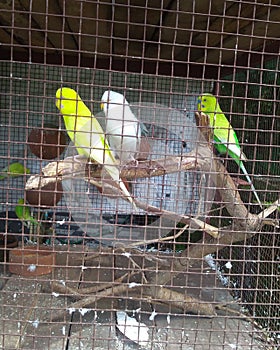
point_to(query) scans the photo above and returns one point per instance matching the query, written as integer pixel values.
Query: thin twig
(266, 212)
(78, 292)
(159, 240)
(113, 291)
(211, 230)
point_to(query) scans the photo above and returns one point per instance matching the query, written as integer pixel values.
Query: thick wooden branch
(69, 167)
(178, 300)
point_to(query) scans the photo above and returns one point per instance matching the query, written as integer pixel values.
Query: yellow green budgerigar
(23, 213)
(13, 170)
(225, 138)
(87, 134)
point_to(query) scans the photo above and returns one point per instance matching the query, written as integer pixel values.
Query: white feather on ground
(132, 329)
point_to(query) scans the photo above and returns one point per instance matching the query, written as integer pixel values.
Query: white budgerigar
(122, 127)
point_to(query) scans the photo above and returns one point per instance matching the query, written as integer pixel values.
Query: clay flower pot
(30, 261)
(7, 242)
(48, 196)
(47, 143)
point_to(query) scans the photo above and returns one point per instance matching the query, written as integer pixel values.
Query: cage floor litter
(28, 306)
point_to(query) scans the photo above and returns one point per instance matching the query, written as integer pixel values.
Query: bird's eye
(204, 99)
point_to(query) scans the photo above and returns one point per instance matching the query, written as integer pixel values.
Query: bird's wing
(91, 142)
(119, 117)
(124, 132)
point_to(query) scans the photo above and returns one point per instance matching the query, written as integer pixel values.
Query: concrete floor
(26, 309)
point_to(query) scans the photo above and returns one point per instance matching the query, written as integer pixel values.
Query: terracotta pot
(7, 242)
(31, 261)
(48, 196)
(47, 143)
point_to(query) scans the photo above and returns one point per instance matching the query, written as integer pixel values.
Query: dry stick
(113, 291)
(103, 290)
(244, 225)
(274, 206)
(158, 240)
(163, 295)
(69, 168)
(179, 300)
(236, 232)
(78, 292)
(211, 230)
(200, 159)
(113, 250)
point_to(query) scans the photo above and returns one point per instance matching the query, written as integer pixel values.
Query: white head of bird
(112, 99)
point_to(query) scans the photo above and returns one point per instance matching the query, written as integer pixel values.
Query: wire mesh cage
(139, 181)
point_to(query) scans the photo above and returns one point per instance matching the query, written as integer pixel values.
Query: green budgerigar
(13, 170)
(225, 138)
(23, 213)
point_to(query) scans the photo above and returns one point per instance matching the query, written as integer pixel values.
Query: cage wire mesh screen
(139, 181)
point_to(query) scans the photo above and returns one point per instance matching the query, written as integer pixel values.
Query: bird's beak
(102, 106)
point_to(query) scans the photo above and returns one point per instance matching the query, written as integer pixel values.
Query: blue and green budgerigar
(225, 138)
(23, 213)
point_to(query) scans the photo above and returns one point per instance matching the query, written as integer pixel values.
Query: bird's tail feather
(242, 167)
(115, 174)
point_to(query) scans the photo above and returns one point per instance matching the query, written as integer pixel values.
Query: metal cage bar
(191, 259)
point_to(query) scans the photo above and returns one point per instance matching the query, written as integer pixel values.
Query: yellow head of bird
(66, 97)
(21, 201)
(207, 103)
